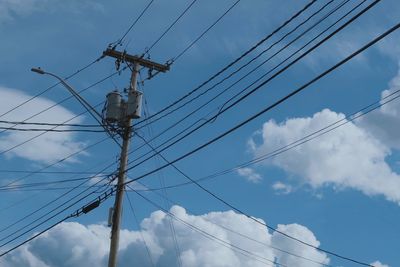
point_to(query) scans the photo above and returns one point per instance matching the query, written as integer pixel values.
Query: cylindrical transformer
(113, 109)
(134, 104)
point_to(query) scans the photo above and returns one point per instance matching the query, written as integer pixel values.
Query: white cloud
(47, 148)
(348, 157)
(282, 188)
(72, 244)
(379, 264)
(351, 156)
(250, 175)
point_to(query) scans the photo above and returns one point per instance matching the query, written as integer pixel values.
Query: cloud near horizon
(73, 244)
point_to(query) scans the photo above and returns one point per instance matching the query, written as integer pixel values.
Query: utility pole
(123, 112)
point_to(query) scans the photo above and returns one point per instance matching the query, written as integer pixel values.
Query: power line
(57, 198)
(355, 115)
(220, 111)
(162, 183)
(169, 163)
(43, 172)
(31, 228)
(170, 26)
(57, 162)
(141, 234)
(204, 32)
(51, 124)
(260, 85)
(50, 130)
(380, 37)
(261, 64)
(85, 209)
(120, 40)
(37, 136)
(233, 62)
(27, 185)
(194, 111)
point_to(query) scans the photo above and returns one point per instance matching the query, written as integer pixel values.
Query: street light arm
(80, 99)
(70, 89)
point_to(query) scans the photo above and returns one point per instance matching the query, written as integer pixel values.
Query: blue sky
(338, 191)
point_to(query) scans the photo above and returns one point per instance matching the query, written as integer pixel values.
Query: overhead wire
(68, 77)
(121, 39)
(10, 128)
(38, 135)
(193, 181)
(259, 65)
(58, 161)
(318, 77)
(43, 172)
(77, 213)
(27, 185)
(57, 198)
(170, 27)
(51, 124)
(162, 183)
(204, 32)
(141, 234)
(258, 86)
(297, 14)
(51, 130)
(28, 227)
(209, 101)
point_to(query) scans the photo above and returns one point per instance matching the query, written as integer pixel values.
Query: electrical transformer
(113, 109)
(134, 104)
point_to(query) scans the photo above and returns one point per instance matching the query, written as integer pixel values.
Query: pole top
(135, 59)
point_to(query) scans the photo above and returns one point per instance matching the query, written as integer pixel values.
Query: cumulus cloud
(250, 174)
(72, 244)
(349, 157)
(48, 147)
(352, 156)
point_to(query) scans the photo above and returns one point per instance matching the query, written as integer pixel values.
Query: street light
(66, 85)
(74, 93)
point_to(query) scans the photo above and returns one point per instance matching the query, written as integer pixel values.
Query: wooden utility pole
(126, 123)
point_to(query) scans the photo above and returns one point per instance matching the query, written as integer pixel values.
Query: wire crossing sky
(271, 141)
